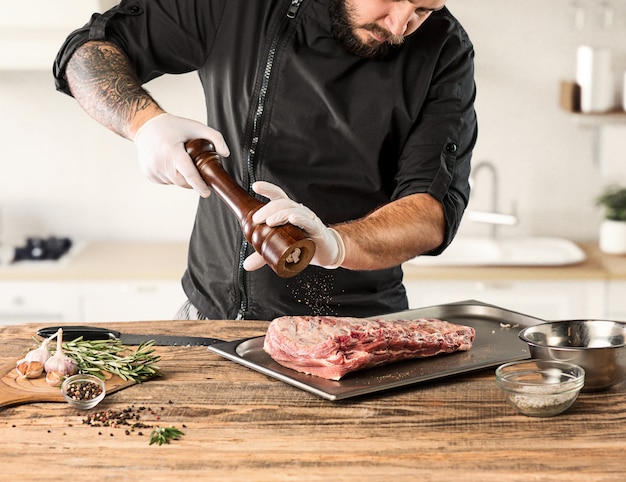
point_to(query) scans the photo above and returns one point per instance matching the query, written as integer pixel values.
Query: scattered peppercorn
(114, 419)
(129, 418)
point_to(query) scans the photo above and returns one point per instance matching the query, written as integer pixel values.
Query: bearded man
(354, 118)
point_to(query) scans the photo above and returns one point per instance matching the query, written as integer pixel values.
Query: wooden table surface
(242, 425)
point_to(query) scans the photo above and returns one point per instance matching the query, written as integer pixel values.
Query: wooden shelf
(598, 120)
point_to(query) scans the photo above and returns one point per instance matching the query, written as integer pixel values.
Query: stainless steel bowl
(598, 346)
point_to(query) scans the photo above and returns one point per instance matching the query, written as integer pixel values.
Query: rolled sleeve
(158, 36)
(436, 158)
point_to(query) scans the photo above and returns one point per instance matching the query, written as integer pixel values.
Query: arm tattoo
(103, 82)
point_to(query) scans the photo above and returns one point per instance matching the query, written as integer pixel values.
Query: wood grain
(242, 425)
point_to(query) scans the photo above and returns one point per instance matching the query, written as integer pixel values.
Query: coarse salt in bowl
(540, 388)
(83, 391)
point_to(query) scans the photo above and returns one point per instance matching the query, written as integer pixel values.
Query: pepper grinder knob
(287, 249)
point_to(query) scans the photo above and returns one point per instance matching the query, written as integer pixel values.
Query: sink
(531, 251)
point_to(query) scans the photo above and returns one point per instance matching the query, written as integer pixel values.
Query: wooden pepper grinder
(286, 248)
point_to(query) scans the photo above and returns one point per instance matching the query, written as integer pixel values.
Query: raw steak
(330, 347)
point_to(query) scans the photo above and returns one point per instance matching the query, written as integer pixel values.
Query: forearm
(394, 233)
(104, 84)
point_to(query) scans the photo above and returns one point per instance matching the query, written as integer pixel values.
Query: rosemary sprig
(99, 356)
(163, 435)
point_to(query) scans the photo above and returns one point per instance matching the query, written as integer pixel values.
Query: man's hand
(160, 144)
(105, 85)
(329, 247)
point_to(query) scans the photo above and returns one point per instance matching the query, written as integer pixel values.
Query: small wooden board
(17, 390)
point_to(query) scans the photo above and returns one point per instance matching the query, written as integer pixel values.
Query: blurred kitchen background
(62, 174)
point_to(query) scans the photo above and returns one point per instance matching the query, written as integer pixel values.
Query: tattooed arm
(104, 84)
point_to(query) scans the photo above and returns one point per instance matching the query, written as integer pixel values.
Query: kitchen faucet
(493, 216)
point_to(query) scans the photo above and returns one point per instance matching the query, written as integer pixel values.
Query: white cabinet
(128, 300)
(32, 301)
(88, 301)
(99, 282)
(549, 300)
(134, 300)
(616, 302)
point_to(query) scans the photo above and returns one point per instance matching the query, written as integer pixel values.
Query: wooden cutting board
(17, 390)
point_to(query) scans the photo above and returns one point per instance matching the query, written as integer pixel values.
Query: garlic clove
(29, 369)
(54, 379)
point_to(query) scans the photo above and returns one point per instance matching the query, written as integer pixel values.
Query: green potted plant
(613, 228)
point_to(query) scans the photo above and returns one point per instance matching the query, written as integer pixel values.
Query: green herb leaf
(163, 435)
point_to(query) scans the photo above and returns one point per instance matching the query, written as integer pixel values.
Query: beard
(343, 28)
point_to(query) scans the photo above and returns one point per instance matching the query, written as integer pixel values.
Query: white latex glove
(160, 145)
(329, 248)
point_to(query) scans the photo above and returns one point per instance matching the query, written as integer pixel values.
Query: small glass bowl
(83, 391)
(540, 388)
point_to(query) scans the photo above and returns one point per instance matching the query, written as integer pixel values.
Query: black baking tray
(496, 342)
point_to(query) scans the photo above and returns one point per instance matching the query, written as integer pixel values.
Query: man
(354, 118)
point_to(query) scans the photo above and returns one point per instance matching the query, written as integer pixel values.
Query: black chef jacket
(340, 134)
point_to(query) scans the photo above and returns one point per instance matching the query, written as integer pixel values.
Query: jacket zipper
(256, 129)
(293, 8)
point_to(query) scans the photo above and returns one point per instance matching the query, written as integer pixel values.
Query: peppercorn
(84, 390)
(128, 418)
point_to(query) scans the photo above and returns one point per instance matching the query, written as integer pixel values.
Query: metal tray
(496, 342)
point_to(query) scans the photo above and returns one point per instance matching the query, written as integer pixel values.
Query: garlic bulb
(60, 362)
(32, 365)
